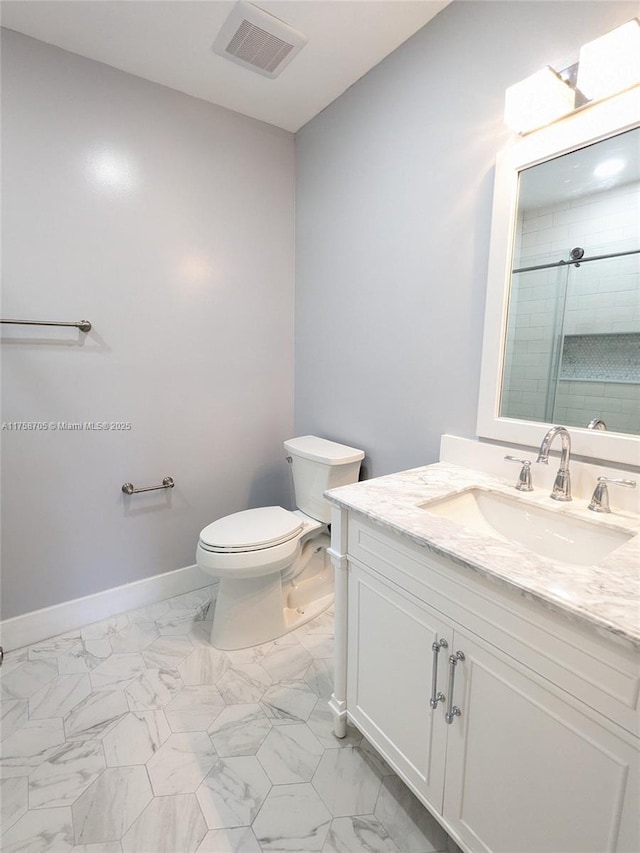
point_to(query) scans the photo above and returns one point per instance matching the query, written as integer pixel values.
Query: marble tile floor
(135, 735)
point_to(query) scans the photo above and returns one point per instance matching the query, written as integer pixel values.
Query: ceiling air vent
(257, 40)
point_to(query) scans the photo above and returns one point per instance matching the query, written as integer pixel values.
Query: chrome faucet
(600, 497)
(562, 485)
(524, 480)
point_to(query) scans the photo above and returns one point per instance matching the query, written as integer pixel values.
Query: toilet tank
(318, 465)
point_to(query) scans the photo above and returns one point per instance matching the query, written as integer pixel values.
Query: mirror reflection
(572, 351)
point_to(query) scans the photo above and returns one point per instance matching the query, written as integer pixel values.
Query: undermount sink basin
(545, 532)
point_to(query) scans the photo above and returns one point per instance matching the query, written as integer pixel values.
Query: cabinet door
(390, 667)
(527, 772)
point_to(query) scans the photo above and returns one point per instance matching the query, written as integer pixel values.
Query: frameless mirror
(572, 352)
(562, 323)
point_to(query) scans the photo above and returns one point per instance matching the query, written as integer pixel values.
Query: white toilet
(272, 563)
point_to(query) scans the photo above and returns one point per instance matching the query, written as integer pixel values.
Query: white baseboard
(41, 624)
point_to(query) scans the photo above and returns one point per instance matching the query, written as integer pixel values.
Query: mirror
(562, 329)
(572, 351)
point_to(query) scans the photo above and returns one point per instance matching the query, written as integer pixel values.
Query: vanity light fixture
(538, 100)
(607, 66)
(611, 63)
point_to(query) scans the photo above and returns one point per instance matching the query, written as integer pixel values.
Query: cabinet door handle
(436, 695)
(452, 710)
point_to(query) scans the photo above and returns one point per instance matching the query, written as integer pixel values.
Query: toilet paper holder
(130, 489)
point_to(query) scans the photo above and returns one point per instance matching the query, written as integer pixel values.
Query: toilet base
(298, 617)
(249, 613)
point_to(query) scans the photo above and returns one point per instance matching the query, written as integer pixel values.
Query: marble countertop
(607, 595)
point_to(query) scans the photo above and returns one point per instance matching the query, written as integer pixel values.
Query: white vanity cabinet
(541, 751)
(390, 674)
(528, 771)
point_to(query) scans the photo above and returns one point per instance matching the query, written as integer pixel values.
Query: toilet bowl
(273, 570)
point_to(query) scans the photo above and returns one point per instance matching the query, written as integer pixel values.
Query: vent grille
(258, 47)
(257, 40)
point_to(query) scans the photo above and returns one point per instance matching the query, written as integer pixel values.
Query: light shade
(538, 100)
(611, 63)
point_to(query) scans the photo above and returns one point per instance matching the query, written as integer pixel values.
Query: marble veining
(604, 596)
(233, 792)
(287, 662)
(135, 637)
(293, 818)
(203, 666)
(290, 754)
(94, 716)
(107, 809)
(54, 647)
(167, 652)
(181, 763)
(40, 831)
(167, 824)
(407, 823)
(355, 834)
(84, 656)
(66, 773)
(106, 628)
(242, 761)
(289, 702)
(14, 800)
(239, 730)
(135, 738)
(28, 679)
(237, 840)
(319, 677)
(30, 746)
(153, 689)
(244, 684)
(194, 709)
(13, 713)
(117, 671)
(347, 782)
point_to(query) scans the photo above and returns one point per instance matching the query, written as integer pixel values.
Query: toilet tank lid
(322, 450)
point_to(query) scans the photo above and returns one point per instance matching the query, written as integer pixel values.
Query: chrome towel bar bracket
(130, 489)
(83, 325)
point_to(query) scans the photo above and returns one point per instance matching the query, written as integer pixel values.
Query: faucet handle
(600, 497)
(524, 480)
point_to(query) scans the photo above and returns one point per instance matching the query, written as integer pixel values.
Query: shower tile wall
(603, 297)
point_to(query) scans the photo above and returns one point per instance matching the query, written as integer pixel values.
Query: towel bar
(83, 325)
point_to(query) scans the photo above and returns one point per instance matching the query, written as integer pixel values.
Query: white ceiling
(169, 42)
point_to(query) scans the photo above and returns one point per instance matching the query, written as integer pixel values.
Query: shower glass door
(534, 339)
(573, 339)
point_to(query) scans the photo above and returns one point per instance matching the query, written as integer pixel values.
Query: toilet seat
(251, 544)
(251, 530)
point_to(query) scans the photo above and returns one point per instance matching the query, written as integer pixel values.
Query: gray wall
(393, 205)
(168, 223)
